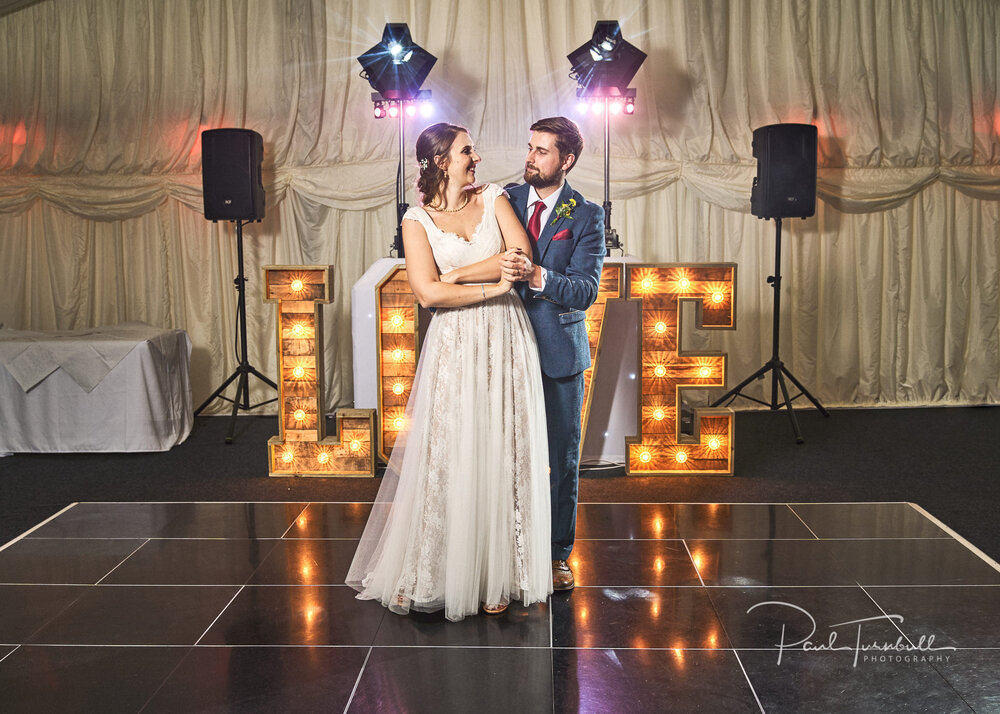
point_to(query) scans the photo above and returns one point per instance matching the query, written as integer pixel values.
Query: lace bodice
(451, 250)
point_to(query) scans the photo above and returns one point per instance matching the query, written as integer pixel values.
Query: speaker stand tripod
(775, 366)
(244, 369)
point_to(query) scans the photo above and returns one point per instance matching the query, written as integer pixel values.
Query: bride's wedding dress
(462, 516)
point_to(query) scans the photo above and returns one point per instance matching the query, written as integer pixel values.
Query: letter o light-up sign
(302, 447)
(666, 369)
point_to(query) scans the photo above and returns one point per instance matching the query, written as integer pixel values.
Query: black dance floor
(190, 607)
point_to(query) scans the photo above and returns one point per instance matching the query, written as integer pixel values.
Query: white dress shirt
(550, 204)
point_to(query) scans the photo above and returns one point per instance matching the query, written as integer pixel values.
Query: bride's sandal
(495, 609)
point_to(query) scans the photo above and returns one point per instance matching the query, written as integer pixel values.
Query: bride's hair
(433, 141)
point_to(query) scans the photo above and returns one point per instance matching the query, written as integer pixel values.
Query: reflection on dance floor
(167, 607)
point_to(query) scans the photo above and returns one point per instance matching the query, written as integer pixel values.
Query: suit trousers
(563, 404)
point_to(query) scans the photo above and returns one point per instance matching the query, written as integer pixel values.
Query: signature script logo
(902, 644)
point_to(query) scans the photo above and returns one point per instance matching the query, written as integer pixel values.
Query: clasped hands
(515, 266)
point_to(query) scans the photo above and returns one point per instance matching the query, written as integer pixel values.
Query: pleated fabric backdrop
(891, 293)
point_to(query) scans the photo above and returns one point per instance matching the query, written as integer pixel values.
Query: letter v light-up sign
(666, 369)
(302, 447)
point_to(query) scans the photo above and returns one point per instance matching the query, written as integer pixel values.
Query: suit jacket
(571, 249)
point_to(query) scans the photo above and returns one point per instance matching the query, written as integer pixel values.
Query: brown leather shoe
(562, 576)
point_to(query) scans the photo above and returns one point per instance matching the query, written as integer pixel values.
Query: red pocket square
(562, 235)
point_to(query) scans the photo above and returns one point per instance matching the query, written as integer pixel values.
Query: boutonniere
(564, 210)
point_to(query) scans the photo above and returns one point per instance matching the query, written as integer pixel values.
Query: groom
(560, 282)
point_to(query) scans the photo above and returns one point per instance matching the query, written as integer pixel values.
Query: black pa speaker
(785, 185)
(230, 174)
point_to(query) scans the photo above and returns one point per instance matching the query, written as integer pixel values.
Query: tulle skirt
(462, 516)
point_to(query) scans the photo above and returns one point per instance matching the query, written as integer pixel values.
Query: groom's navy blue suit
(571, 249)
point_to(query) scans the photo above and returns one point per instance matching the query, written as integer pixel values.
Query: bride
(462, 517)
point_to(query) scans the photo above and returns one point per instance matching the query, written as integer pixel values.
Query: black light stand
(395, 68)
(775, 366)
(603, 67)
(244, 369)
(610, 234)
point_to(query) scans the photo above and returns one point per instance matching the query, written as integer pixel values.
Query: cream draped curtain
(891, 292)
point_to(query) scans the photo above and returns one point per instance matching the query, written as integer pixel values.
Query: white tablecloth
(121, 388)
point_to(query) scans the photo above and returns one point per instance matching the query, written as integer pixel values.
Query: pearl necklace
(451, 210)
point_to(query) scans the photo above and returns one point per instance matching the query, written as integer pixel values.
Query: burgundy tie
(535, 224)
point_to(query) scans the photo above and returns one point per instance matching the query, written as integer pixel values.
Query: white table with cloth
(120, 388)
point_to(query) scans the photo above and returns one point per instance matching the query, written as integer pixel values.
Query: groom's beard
(534, 177)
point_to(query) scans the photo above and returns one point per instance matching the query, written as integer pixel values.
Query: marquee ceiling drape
(891, 291)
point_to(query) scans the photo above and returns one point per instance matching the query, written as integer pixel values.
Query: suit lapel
(519, 202)
(550, 228)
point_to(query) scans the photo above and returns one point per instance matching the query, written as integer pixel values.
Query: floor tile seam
(755, 540)
(166, 679)
(357, 681)
(816, 586)
(719, 618)
(123, 561)
(16, 648)
(223, 503)
(789, 506)
(180, 538)
(582, 503)
(957, 536)
(293, 645)
(845, 539)
(900, 629)
(889, 617)
(176, 585)
(848, 585)
(284, 539)
(219, 615)
(743, 503)
(295, 520)
(693, 563)
(746, 675)
(34, 528)
(952, 687)
(84, 590)
(552, 635)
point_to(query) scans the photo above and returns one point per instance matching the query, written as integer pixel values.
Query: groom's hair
(569, 140)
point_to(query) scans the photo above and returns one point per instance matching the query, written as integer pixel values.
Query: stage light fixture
(602, 68)
(395, 68)
(608, 61)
